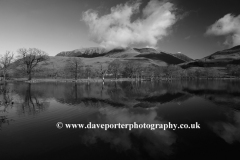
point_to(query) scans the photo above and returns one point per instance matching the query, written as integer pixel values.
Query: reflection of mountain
(98, 104)
(226, 95)
(168, 97)
(115, 94)
(136, 94)
(95, 102)
(149, 102)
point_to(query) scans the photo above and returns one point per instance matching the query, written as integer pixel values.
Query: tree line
(26, 62)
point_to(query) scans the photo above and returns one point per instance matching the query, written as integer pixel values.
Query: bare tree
(88, 71)
(74, 66)
(102, 71)
(132, 68)
(115, 67)
(233, 70)
(5, 62)
(172, 70)
(30, 58)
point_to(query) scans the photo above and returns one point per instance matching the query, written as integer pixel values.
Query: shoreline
(38, 80)
(94, 80)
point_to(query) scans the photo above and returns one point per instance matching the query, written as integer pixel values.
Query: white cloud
(228, 26)
(117, 30)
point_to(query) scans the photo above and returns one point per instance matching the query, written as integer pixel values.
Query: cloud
(116, 29)
(228, 26)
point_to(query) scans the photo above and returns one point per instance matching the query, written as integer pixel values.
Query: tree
(233, 70)
(115, 67)
(5, 62)
(171, 70)
(103, 71)
(158, 71)
(132, 68)
(88, 71)
(30, 58)
(74, 66)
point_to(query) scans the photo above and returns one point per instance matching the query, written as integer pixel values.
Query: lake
(29, 114)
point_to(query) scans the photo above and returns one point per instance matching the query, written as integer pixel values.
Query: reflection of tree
(32, 104)
(116, 93)
(4, 120)
(5, 102)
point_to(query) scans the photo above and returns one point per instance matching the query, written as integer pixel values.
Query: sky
(195, 28)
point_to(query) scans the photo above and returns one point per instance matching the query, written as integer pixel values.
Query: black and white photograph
(119, 79)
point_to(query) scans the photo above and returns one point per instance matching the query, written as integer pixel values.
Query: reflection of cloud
(116, 29)
(228, 131)
(229, 26)
(153, 141)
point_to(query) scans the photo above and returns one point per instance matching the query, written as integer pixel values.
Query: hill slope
(217, 59)
(84, 52)
(149, 54)
(168, 58)
(182, 57)
(230, 54)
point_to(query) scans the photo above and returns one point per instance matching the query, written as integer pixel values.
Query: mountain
(217, 59)
(162, 56)
(84, 52)
(146, 50)
(229, 54)
(122, 53)
(152, 54)
(182, 57)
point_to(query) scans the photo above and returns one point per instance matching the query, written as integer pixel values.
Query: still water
(29, 113)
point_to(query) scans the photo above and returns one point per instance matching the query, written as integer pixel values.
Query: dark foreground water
(28, 125)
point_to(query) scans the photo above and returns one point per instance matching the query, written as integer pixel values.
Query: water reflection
(31, 101)
(6, 102)
(222, 93)
(153, 142)
(229, 130)
(214, 104)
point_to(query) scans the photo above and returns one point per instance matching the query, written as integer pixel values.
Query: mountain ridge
(125, 53)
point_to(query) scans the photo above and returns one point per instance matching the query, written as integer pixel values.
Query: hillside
(84, 52)
(217, 59)
(58, 63)
(122, 53)
(149, 54)
(232, 53)
(167, 58)
(182, 57)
